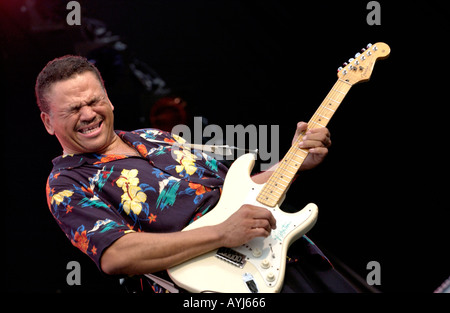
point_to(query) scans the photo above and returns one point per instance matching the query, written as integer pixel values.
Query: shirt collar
(70, 161)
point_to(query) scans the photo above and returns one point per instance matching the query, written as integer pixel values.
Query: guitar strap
(222, 150)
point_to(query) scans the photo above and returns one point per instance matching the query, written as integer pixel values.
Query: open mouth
(90, 129)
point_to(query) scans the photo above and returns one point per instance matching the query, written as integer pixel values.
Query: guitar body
(259, 263)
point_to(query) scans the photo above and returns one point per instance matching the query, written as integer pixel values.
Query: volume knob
(270, 276)
(265, 263)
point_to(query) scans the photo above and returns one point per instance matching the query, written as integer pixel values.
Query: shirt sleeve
(88, 222)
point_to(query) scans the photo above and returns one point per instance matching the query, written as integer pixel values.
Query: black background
(382, 190)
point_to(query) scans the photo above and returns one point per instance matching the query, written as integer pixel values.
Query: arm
(140, 253)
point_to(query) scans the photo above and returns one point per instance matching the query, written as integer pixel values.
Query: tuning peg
(339, 68)
(363, 49)
(357, 55)
(345, 64)
(368, 46)
(351, 60)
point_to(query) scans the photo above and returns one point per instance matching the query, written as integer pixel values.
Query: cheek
(65, 128)
(107, 113)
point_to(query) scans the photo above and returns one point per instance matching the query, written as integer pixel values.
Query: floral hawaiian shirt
(96, 198)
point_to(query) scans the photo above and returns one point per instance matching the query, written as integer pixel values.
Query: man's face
(81, 115)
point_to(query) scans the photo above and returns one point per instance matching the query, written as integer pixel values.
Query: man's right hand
(245, 224)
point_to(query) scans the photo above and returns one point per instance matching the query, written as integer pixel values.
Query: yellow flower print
(186, 160)
(59, 197)
(132, 200)
(133, 196)
(178, 138)
(128, 177)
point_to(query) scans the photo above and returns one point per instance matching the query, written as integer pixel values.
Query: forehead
(75, 90)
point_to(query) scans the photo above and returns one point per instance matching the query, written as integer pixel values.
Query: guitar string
(336, 95)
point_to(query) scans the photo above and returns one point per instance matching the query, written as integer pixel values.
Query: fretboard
(277, 185)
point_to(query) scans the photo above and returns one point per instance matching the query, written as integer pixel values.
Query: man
(123, 197)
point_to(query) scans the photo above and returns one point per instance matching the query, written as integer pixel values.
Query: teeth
(90, 129)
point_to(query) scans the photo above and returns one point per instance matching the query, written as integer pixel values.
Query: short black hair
(60, 69)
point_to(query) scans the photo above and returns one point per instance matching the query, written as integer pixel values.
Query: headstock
(359, 68)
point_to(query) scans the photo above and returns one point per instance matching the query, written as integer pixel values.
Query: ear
(45, 117)
(112, 107)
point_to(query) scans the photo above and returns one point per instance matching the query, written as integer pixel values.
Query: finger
(319, 130)
(263, 224)
(263, 214)
(320, 133)
(267, 219)
(320, 151)
(311, 144)
(301, 126)
(315, 139)
(260, 232)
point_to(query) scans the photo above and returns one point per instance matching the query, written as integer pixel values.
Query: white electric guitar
(259, 265)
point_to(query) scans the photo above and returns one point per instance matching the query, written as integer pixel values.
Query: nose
(86, 114)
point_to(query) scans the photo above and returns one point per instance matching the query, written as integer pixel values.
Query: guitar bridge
(229, 255)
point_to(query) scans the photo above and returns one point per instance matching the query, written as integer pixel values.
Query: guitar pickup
(229, 255)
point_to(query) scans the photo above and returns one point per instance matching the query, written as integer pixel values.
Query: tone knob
(265, 263)
(270, 276)
(256, 252)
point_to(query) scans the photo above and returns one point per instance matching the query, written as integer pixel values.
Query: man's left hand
(317, 141)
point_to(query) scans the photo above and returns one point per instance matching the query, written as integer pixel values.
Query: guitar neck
(279, 182)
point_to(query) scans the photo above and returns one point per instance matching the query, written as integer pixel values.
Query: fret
(301, 150)
(322, 116)
(345, 82)
(327, 108)
(339, 91)
(286, 170)
(293, 155)
(273, 192)
(317, 123)
(333, 100)
(282, 178)
(277, 186)
(293, 166)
